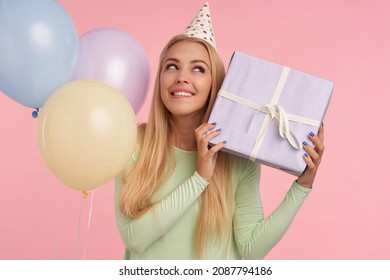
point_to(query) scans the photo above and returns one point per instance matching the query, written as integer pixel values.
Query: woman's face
(185, 79)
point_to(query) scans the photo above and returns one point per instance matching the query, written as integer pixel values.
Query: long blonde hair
(156, 162)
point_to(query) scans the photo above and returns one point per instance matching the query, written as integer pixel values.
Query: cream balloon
(87, 132)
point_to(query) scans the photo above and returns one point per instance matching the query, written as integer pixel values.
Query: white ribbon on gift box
(275, 112)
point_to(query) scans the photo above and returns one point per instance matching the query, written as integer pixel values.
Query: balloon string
(89, 223)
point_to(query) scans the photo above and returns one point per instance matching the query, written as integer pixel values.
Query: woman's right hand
(207, 157)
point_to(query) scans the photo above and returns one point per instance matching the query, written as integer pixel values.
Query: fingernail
(306, 155)
(322, 124)
(214, 123)
(219, 130)
(224, 142)
(311, 134)
(304, 143)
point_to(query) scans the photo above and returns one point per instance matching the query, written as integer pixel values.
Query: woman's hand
(312, 158)
(207, 157)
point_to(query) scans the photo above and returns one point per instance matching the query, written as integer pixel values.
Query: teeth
(182, 93)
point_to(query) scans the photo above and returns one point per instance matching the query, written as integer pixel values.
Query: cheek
(166, 80)
(163, 81)
(206, 88)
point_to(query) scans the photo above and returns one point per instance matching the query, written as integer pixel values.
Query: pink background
(347, 214)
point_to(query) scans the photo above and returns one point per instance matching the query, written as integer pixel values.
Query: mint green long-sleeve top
(167, 230)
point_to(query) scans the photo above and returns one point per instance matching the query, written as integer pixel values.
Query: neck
(183, 132)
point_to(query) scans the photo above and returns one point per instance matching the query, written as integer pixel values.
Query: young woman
(178, 198)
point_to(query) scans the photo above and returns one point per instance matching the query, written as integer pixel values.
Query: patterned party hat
(201, 26)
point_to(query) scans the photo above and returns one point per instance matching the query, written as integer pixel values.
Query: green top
(167, 231)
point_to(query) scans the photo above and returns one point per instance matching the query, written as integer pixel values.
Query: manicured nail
(311, 134)
(224, 142)
(219, 130)
(306, 155)
(304, 143)
(214, 123)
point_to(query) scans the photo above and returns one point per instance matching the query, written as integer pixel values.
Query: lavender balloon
(114, 57)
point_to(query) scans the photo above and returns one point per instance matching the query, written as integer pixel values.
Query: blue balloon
(38, 49)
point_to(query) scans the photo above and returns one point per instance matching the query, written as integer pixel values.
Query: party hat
(201, 26)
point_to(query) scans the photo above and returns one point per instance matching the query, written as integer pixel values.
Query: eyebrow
(192, 61)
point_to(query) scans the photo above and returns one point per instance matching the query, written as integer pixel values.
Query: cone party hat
(201, 26)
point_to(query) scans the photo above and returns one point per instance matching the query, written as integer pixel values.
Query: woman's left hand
(312, 158)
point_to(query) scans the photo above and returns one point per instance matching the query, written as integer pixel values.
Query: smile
(182, 93)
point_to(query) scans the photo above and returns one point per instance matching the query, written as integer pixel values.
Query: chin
(186, 113)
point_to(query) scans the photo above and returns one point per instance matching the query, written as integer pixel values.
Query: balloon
(86, 132)
(116, 58)
(38, 49)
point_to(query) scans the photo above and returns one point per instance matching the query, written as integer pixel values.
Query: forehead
(186, 50)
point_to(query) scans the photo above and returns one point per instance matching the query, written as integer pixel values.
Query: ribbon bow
(275, 112)
(278, 113)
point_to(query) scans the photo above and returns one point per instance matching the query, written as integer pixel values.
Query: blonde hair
(156, 162)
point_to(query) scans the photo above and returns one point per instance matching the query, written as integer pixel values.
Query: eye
(171, 67)
(199, 69)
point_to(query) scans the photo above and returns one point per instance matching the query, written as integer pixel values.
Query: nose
(182, 77)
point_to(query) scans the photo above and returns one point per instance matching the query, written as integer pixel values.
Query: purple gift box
(266, 111)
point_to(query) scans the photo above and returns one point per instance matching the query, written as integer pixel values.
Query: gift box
(266, 111)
